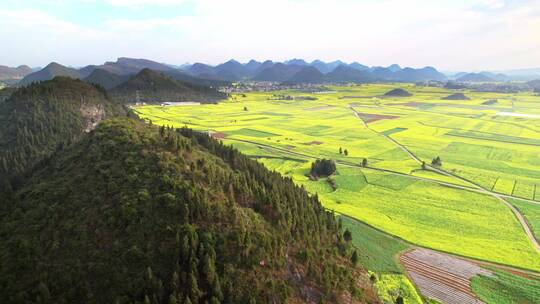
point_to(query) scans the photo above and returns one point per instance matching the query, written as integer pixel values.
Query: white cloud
(140, 3)
(414, 32)
(494, 4)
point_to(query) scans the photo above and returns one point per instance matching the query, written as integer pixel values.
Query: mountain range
(7, 73)
(300, 71)
(291, 71)
(294, 71)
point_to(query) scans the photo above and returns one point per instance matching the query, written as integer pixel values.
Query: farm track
(349, 164)
(474, 188)
(521, 219)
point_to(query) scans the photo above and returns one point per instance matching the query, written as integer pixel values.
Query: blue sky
(450, 35)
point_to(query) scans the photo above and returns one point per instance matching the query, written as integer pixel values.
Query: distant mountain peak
(475, 77)
(308, 74)
(151, 86)
(49, 72)
(296, 61)
(394, 67)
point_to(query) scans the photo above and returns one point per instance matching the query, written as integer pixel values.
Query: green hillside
(134, 213)
(150, 86)
(43, 117)
(105, 78)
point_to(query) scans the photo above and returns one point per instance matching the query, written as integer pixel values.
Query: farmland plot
(393, 193)
(442, 277)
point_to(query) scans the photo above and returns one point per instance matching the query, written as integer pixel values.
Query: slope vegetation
(154, 87)
(105, 78)
(38, 119)
(139, 214)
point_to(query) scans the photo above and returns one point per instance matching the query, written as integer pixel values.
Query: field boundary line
(468, 258)
(476, 189)
(495, 183)
(521, 219)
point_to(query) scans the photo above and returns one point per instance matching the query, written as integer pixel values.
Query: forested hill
(154, 87)
(42, 117)
(133, 213)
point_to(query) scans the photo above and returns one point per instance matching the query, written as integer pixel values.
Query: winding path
(475, 187)
(521, 219)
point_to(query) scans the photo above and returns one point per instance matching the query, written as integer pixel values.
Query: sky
(453, 35)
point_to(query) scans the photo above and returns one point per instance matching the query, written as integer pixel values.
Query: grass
(504, 185)
(506, 288)
(390, 286)
(496, 137)
(524, 190)
(393, 130)
(378, 253)
(438, 217)
(531, 213)
(422, 212)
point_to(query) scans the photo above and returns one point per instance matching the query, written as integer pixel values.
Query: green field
(475, 142)
(378, 253)
(531, 213)
(506, 288)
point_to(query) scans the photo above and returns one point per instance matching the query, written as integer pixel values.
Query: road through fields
(521, 219)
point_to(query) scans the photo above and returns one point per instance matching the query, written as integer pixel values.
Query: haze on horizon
(455, 35)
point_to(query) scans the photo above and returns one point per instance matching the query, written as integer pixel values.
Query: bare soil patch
(441, 276)
(217, 135)
(313, 143)
(369, 118)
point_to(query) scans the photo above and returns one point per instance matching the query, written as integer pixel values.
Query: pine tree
(347, 235)
(354, 258)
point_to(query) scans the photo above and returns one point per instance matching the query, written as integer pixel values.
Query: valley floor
(483, 201)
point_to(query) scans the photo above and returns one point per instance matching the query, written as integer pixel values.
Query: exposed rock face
(92, 115)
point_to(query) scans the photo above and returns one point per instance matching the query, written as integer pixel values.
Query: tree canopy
(133, 213)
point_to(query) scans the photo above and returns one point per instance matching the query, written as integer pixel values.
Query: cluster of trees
(138, 214)
(343, 151)
(323, 167)
(437, 162)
